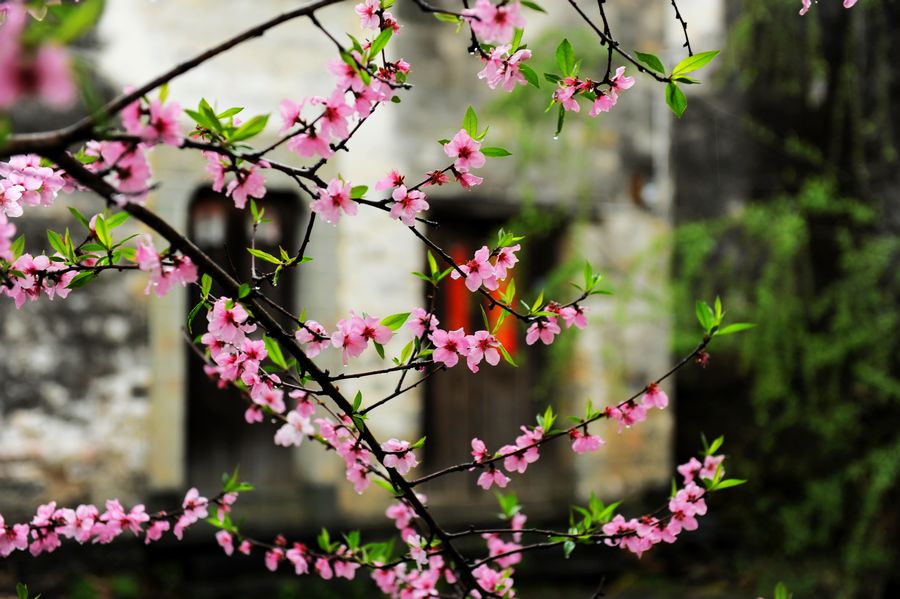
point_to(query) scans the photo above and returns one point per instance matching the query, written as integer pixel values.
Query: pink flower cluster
(467, 155)
(124, 166)
(640, 534)
(334, 199)
(238, 357)
(163, 276)
(399, 456)
(44, 71)
(449, 346)
(23, 181)
(808, 3)
(516, 457)
(479, 271)
(356, 457)
(502, 69)
(154, 122)
(354, 334)
(50, 525)
(371, 16)
(421, 581)
(495, 22)
(546, 328)
(570, 87)
(632, 412)
(39, 273)
(248, 181)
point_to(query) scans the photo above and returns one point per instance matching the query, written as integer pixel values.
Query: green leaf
(379, 43)
(116, 220)
(507, 357)
(781, 591)
(432, 263)
(565, 57)
(735, 328)
(358, 191)
(379, 349)
(715, 445)
(533, 6)
(395, 321)
(102, 231)
(250, 129)
(727, 484)
(560, 121)
(651, 60)
(692, 63)
(357, 401)
(76, 21)
(704, 315)
(243, 290)
(493, 152)
(210, 114)
(470, 122)
(675, 99)
(440, 16)
(274, 351)
(80, 280)
(205, 285)
(193, 314)
(21, 591)
(530, 76)
(56, 242)
(230, 112)
(552, 78)
(79, 217)
(264, 256)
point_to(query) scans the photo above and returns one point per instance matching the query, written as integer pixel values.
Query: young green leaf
(264, 256)
(395, 321)
(470, 122)
(692, 63)
(651, 60)
(530, 76)
(274, 351)
(565, 57)
(735, 328)
(492, 152)
(676, 99)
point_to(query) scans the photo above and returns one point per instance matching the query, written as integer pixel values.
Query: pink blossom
(12, 538)
(297, 556)
(248, 183)
(10, 195)
(545, 329)
(565, 93)
(310, 143)
(465, 150)
(314, 336)
(225, 541)
(332, 200)
(466, 179)
(391, 180)
(349, 338)
(449, 346)
(582, 442)
(482, 345)
(710, 466)
(227, 321)
(293, 432)
(420, 320)
(604, 102)
(689, 469)
(264, 394)
(655, 397)
(407, 205)
(253, 414)
(478, 271)
(273, 557)
(346, 74)
(400, 456)
(479, 450)
(323, 569)
(506, 259)
(162, 126)
(495, 23)
(492, 477)
(334, 116)
(417, 550)
(620, 81)
(503, 70)
(627, 414)
(155, 531)
(290, 114)
(368, 14)
(345, 569)
(574, 315)
(491, 580)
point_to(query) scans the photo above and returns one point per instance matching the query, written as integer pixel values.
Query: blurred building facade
(101, 398)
